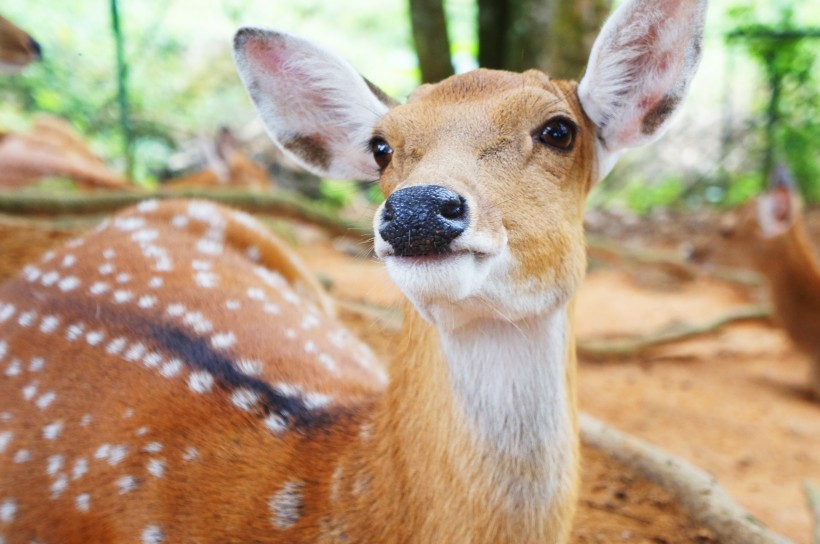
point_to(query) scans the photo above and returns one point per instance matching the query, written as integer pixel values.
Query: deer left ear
(778, 207)
(639, 72)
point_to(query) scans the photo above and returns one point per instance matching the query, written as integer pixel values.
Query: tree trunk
(572, 32)
(551, 35)
(430, 36)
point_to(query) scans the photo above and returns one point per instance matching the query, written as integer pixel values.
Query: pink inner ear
(266, 54)
(781, 204)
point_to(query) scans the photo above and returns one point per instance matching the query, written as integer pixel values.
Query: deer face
(485, 175)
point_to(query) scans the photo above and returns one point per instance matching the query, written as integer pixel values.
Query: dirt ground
(733, 403)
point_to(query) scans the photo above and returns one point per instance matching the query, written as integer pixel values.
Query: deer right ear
(315, 106)
(778, 207)
(639, 72)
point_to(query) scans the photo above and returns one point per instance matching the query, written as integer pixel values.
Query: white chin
(436, 283)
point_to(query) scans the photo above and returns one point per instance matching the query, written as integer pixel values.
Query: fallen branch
(607, 251)
(676, 333)
(706, 501)
(813, 498)
(278, 203)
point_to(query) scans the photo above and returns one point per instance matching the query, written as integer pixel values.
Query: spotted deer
(165, 381)
(772, 237)
(17, 48)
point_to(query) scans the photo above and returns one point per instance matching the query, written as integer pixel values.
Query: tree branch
(706, 501)
(676, 333)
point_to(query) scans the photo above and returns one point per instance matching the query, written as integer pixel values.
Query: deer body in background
(771, 230)
(17, 48)
(164, 381)
(227, 167)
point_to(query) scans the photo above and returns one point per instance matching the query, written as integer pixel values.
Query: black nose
(423, 220)
(35, 48)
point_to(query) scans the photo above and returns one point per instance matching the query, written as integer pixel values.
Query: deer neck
(483, 418)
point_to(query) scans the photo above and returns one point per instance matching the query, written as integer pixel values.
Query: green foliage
(787, 54)
(642, 198)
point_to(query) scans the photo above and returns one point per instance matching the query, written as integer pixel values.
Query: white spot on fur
(272, 309)
(244, 399)
(250, 367)
(286, 505)
(147, 301)
(233, 305)
(255, 293)
(6, 312)
(54, 464)
(123, 278)
(156, 467)
(30, 390)
(175, 310)
(135, 352)
(290, 297)
(121, 296)
(179, 221)
(5, 439)
(83, 502)
(171, 368)
(156, 282)
(328, 362)
(148, 206)
(102, 452)
(198, 322)
(116, 454)
(50, 278)
(126, 484)
(98, 288)
(86, 420)
(45, 400)
(69, 284)
(128, 224)
(310, 346)
(314, 401)
(52, 430)
(74, 331)
(4, 348)
(8, 509)
(152, 535)
(69, 261)
(200, 382)
(153, 447)
(142, 431)
(22, 456)
(94, 338)
(109, 253)
(106, 269)
(152, 360)
(49, 324)
(190, 454)
(310, 322)
(209, 247)
(206, 280)
(31, 273)
(27, 319)
(80, 468)
(223, 340)
(13, 369)
(36, 364)
(116, 346)
(275, 423)
(253, 254)
(58, 486)
(145, 236)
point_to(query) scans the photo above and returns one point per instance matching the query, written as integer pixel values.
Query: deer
(17, 48)
(228, 167)
(165, 378)
(771, 232)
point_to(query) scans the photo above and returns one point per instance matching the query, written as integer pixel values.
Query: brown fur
(16, 47)
(792, 269)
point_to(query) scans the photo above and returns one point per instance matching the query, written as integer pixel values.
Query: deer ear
(778, 207)
(315, 106)
(639, 72)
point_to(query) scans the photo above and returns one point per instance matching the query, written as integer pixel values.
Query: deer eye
(558, 133)
(382, 152)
